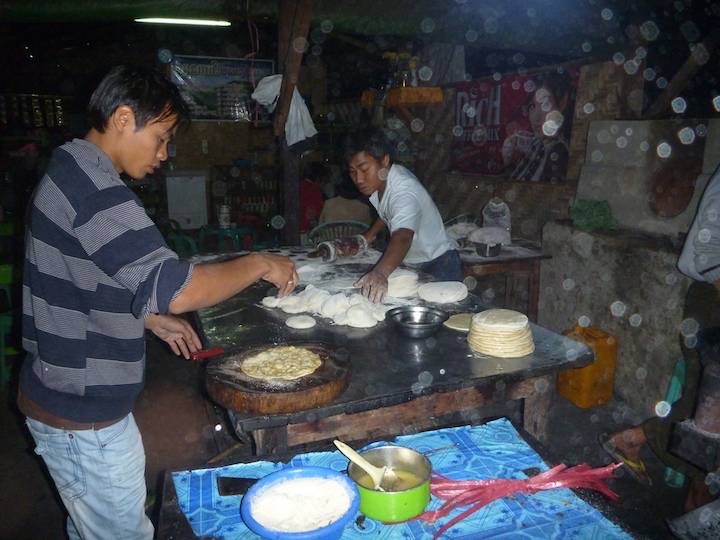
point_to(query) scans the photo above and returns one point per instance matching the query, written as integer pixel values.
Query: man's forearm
(399, 245)
(213, 283)
(374, 230)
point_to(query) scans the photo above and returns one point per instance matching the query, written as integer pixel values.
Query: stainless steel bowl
(416, 321)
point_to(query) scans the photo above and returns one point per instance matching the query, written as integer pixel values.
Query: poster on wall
(516, 126)
(219, 88)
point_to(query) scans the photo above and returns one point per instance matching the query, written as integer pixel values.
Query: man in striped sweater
(97, 274)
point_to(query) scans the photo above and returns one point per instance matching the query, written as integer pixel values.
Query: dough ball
(292, 304)
(402, 283)
(360, 316)
(337, 303)
(316, 299)
(270, 301)
(443, 292)
(300, 322)
(379, 311)
(357, 298)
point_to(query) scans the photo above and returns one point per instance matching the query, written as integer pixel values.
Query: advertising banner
(515, 126)
(219, 88)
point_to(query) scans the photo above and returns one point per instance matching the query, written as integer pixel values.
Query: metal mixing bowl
(416, 321)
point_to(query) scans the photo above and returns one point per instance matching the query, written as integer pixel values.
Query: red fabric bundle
(478, 493)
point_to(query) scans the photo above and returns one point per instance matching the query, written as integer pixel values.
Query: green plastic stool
(182, 244)
(673, 478)
(6, 351)
(241, 236)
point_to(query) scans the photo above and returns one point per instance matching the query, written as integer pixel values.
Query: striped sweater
(95, 266)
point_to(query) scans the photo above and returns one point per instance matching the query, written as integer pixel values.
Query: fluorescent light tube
(194, 22)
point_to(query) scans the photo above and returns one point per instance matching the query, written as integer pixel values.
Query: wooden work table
(397, 384)
(522, 257)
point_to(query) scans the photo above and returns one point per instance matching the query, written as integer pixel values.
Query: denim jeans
(100, 475)
(446, 267)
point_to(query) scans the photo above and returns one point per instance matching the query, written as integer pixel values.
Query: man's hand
(176, 332)
(281, 273)
(373, 285)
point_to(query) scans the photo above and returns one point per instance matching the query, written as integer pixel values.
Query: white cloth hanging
(299, 125)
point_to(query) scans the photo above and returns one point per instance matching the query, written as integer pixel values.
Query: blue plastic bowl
(329, 532)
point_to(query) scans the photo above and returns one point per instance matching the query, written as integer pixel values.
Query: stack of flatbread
(501, 332)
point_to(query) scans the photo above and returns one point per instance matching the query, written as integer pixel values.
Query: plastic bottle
(496, 213)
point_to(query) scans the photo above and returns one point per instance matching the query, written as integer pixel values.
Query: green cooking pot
(408, 495)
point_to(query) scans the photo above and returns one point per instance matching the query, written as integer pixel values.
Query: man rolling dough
(417, 234)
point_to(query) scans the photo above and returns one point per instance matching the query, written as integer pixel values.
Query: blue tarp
(492, 450)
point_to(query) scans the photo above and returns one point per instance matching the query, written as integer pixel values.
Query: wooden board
(230, 387)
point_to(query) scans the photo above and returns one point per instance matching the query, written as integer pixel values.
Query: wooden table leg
(533, 290)
(536, 406)
(270, 440)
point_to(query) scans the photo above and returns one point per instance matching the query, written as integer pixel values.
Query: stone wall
(629, 286)
(626, 282)
(622, 166)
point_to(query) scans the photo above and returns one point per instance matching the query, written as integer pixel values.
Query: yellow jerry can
(591, 385)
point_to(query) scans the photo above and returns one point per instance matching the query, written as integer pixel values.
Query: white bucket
(224, 216)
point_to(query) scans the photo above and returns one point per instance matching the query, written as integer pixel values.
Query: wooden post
(293, 28)
(679, 81)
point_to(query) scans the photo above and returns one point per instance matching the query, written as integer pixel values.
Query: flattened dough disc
(459, 322)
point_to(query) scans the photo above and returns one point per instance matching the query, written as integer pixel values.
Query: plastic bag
(298, 125)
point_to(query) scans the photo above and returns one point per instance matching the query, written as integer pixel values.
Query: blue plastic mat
(493, 450)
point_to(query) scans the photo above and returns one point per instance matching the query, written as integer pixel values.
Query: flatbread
(285, 362)
(501, 319)
(501, 332)
(443, 292)
(459, 322)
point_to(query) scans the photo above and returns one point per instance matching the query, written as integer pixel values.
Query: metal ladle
(379, 475)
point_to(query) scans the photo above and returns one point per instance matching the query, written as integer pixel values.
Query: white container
(224, 216)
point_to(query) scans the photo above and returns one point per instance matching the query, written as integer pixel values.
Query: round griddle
(230, 387)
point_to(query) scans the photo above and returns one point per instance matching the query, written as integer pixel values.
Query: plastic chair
(336, 229)
(6, 350)
(242, 237)
(182, 244)
(7, 278)
(6, 281)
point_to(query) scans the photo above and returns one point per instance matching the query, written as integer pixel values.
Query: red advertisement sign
(516, 127)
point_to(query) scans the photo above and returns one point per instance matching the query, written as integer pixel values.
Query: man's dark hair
(371, 141)
(148, 92)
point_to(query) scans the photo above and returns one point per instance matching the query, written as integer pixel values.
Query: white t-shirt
(406, 204)
(700, 257)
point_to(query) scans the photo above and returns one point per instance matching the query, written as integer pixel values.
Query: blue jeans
(446, 267)
(100, 476)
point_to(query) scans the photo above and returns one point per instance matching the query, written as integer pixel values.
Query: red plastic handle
(207, 353)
